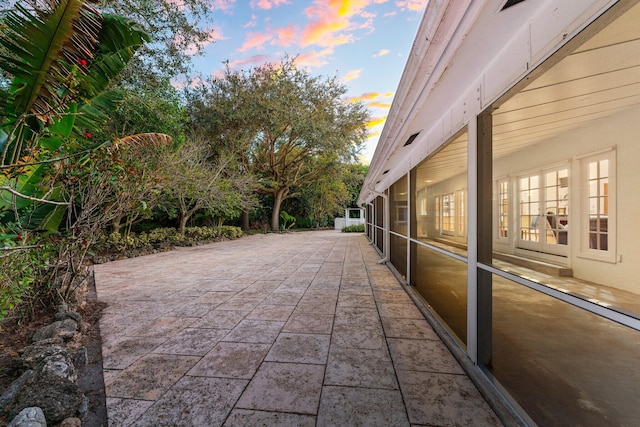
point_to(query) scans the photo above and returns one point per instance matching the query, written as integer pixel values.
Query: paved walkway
(296, 329)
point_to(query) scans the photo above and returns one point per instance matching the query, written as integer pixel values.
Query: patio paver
(294, 329)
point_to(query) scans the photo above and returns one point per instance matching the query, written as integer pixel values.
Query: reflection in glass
(563, 365)
(440, 189)
(442, 281)
(399, 254)
(398, 206)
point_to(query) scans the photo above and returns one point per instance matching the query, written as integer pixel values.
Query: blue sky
(365, 43)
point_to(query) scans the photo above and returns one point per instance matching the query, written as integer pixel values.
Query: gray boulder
(9, 395)
(63, 315)
(29, 417)
(33, 355)
(53, 385)
(59, 398)
(64, 329)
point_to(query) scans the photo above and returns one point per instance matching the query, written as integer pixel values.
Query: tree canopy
(290, 127)
(177, 30)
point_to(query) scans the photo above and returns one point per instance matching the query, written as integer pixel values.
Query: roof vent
(510, 3)
(411, 139)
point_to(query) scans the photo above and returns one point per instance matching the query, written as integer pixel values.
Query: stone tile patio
(296, 329)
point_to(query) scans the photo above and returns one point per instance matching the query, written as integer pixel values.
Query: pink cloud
(266, 4)
(313, 59)
(252, 60)
(252, 23)
(383, 105)
(286, 36)
(333, 21)
(375, 121)
(353, 74)
(255, 40)
(223, 5)
(381, 52)
(414, 5)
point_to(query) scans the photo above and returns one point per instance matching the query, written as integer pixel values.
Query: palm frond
(140, 140)
(47, 42)
(119, 39)
(94, 112)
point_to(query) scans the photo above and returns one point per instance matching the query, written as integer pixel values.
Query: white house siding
(471, 59)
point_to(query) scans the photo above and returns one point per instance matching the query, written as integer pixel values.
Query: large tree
(290, 127)
(177, 30)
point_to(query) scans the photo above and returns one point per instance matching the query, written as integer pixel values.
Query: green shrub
(353, 229)
(25, 267)
(162, 237)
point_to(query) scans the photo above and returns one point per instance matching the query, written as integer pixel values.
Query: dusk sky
(365, 43)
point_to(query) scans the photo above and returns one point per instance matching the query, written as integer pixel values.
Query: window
(544, 211)
(599, 179)
(448, 214)
(503, 209)
(461, 215)
(437, 215)
(529, 208)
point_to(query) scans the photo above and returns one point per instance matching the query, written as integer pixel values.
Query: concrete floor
(563, 365)
(296, 329)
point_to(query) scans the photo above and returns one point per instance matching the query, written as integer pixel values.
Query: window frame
(541, 228)
(610, 255)
(506, 205)
(449, 228)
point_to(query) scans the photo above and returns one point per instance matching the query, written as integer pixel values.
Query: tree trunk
(183, 223)
(245, 220)
(115, 224)
(278, 197)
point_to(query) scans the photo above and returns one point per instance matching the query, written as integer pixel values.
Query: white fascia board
(439, 23)
(466, 55)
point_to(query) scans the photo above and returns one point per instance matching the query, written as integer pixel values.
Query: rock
(82, 357)
(83, 408)
(59, 398)
(9, 395)
(64, 329)
(34, 355)
(71, 422)
(53, 385)
(29, 417)
(63, 315)
(60, 365)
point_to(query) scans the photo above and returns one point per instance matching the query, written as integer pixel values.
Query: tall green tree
(290, 126)
(178, 30)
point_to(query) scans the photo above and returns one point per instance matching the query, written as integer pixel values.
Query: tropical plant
(57, 60)
(288, 221)
(61, 57)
